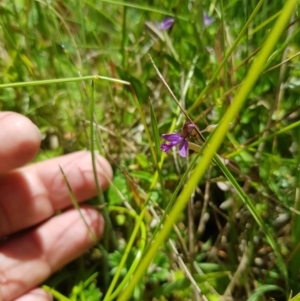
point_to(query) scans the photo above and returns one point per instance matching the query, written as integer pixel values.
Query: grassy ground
(231, 224)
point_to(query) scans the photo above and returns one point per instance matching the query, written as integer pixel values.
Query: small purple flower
(179, 138)
(207, 20)
(166, 24)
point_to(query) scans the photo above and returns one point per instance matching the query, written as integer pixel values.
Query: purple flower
(207, 20)
(179, 138)
(166, 23)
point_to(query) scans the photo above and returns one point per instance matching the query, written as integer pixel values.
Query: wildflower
(179, 139)
(166, 24)
(207, 20)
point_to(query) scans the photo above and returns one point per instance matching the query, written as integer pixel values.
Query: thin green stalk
(264, 23)
(63, 80)
(109, 233)
(157, 152)
(143, 119)
(124, 39)
(76, 205)
(82, 22)
(225, 70)
(110, 295)
(55, 293)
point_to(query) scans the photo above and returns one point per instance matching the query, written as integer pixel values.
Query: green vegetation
(221, 224)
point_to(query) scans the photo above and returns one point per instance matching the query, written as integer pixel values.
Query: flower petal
(165, 24)
(207, 20)
(190, 127)
(166, 147)
(183, 148)
(176, 137)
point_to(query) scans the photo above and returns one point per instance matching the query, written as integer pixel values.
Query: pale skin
(33, 242)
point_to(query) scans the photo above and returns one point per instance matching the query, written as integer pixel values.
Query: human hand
(35, 243)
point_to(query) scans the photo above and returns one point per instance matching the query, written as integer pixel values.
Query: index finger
(19, 141)
(33, 193)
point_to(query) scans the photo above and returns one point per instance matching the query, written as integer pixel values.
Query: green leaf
(264, 289)
(119, 183)
(168, 288)
(142, 175)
